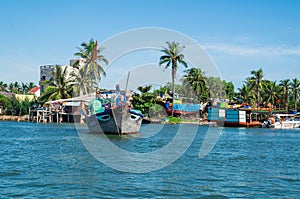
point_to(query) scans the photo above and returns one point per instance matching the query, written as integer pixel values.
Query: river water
(51, 161)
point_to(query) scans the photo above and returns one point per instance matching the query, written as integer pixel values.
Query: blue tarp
(187, 107)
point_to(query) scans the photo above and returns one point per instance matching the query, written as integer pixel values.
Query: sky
(238, 36)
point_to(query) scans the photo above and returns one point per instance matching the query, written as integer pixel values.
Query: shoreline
(23, 118)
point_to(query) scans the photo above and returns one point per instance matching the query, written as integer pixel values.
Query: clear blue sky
(239, 36)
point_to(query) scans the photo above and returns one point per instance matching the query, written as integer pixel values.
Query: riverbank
(13, 118)
(168, 120)
(177, 120)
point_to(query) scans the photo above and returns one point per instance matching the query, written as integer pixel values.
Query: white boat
(283, 121)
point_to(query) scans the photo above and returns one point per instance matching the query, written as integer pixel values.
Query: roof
(34, 90)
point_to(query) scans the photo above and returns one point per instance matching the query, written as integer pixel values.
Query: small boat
(119, 121)
(282, 121)
(108, 118)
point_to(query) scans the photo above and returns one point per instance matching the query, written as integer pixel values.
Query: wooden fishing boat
(120, 121)
(111, 115)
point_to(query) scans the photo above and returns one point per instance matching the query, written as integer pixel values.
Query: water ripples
(50, 161)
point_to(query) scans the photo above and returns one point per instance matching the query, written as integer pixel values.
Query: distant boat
(234, 117)
(186, 109)
(282, 121)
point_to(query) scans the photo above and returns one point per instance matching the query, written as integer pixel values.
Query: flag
(95, 51)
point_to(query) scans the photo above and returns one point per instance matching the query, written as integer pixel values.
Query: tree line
(88, 70)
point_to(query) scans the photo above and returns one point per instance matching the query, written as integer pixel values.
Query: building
(73, 61)
(46, 73)
(35, 91)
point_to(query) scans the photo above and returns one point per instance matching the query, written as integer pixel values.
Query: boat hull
(286, 125)
(242, 124)
(118, 121)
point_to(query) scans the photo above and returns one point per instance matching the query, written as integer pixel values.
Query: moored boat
(109, 118)
(119, 121)
(282, 121)
(235, 117)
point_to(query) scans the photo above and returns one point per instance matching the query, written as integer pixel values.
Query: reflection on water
(50, 160)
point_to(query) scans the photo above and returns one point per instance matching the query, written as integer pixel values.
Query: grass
(178, 120)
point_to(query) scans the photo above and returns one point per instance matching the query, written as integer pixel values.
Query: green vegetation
(143, 100)
(58, 87)
(93, 61)
(172, 56)
(194, 86)
(176, 120)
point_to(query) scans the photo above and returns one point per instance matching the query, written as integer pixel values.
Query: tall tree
(3, 86)
(172, 57)
(286, 86)
(229, 89)
(194, 80)
(59, 86)
(93, 59)
(246, 94)
(256, 81)
(215, 87)
(272, 92)
(31, 85)
(295, 85)
(24, 88)
(81, 82)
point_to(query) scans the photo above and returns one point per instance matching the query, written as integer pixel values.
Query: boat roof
(286, 114)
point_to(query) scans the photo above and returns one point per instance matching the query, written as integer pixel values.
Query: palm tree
(81, 82)
(93, 60)
(17, 87)
(173, 57)
(194, 80)
(59, 87)
(3, 86)
(257, 83)
(24, 88)
(295, 89)
(31, 85)
(272, 92)
(229, 89)
(286, 86)
(245, 93)
(215, 87)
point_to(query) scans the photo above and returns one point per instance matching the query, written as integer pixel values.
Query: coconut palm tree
(24, 88)
(59, 86)
(3, 86)
(272, 92)
(93, 60)
(172, 57)
(246, 94)
(256, 82)
(194, 80)
(81, 82)
(229, 89)
(286, 86)
(31, 85)
(295, 86)
(215, 87)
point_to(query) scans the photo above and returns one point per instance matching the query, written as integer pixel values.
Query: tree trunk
(286, 101)
(173, 87)
(257, 90)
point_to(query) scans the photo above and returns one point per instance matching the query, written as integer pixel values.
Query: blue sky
(239, 36)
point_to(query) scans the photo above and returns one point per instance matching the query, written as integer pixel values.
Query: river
(53, 161)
